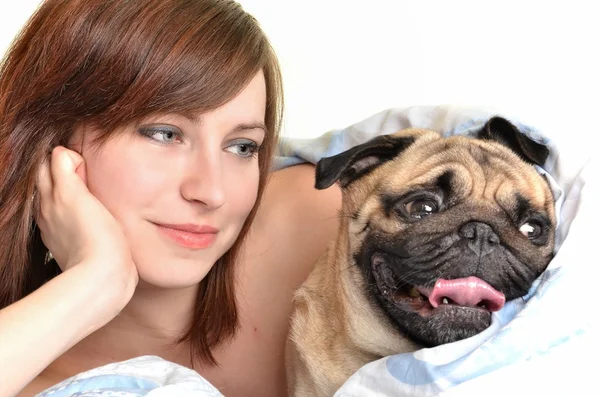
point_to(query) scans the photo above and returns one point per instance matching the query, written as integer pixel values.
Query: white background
(346, 60)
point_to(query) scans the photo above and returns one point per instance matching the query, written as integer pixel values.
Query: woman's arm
(98, 277)
(40, 327)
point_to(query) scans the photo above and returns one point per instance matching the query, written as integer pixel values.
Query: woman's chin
(179, 274)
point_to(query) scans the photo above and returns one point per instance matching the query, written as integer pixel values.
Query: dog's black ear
(503, 131)
(359, 160)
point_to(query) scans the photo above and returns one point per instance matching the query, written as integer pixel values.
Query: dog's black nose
(481, 238)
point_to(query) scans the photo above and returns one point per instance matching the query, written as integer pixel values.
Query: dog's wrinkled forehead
(497, 138)
(496, 166)
(463, 166)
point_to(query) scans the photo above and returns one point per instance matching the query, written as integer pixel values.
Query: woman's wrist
(98, 293)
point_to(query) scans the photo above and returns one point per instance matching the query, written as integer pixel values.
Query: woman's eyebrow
(191, 117)
(250, 126)
(195, 119)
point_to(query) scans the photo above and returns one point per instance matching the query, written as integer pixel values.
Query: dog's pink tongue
(470, 291)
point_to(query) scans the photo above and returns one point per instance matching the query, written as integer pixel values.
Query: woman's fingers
(64, 166)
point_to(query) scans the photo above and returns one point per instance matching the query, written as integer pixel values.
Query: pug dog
(436, 234)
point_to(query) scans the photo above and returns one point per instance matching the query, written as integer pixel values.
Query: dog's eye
(536, 228)
(420, 208)
(531, 229)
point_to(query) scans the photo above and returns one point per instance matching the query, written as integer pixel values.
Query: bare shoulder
(296, 222)
(292, 229)
(291, 193)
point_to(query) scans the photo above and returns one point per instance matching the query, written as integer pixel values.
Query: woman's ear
(76, 144)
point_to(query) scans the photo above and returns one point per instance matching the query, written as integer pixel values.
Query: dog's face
(443, 231)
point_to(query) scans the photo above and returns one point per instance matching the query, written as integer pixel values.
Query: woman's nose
(204, 181)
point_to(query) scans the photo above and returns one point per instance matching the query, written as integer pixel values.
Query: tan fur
(335, 329)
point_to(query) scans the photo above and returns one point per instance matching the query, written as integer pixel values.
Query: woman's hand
(98, 279)
(77, 228)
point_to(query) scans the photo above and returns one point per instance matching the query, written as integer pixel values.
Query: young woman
(136, 140)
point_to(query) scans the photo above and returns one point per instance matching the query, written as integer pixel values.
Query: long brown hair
(108, 63)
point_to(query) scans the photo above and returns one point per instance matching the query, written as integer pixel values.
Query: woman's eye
(420, 208)
(162, 135)
(165, 136)
(243, 148)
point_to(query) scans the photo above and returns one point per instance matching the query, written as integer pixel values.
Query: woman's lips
(189, 235)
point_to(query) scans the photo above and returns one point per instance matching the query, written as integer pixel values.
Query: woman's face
(181, 188)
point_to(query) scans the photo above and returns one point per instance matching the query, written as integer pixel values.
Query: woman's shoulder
(294, 207)
(296, 222)
(291, 192)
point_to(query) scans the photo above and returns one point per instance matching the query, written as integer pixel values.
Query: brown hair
(107, 63)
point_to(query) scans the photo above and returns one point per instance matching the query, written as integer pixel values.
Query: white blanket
(547, 344)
